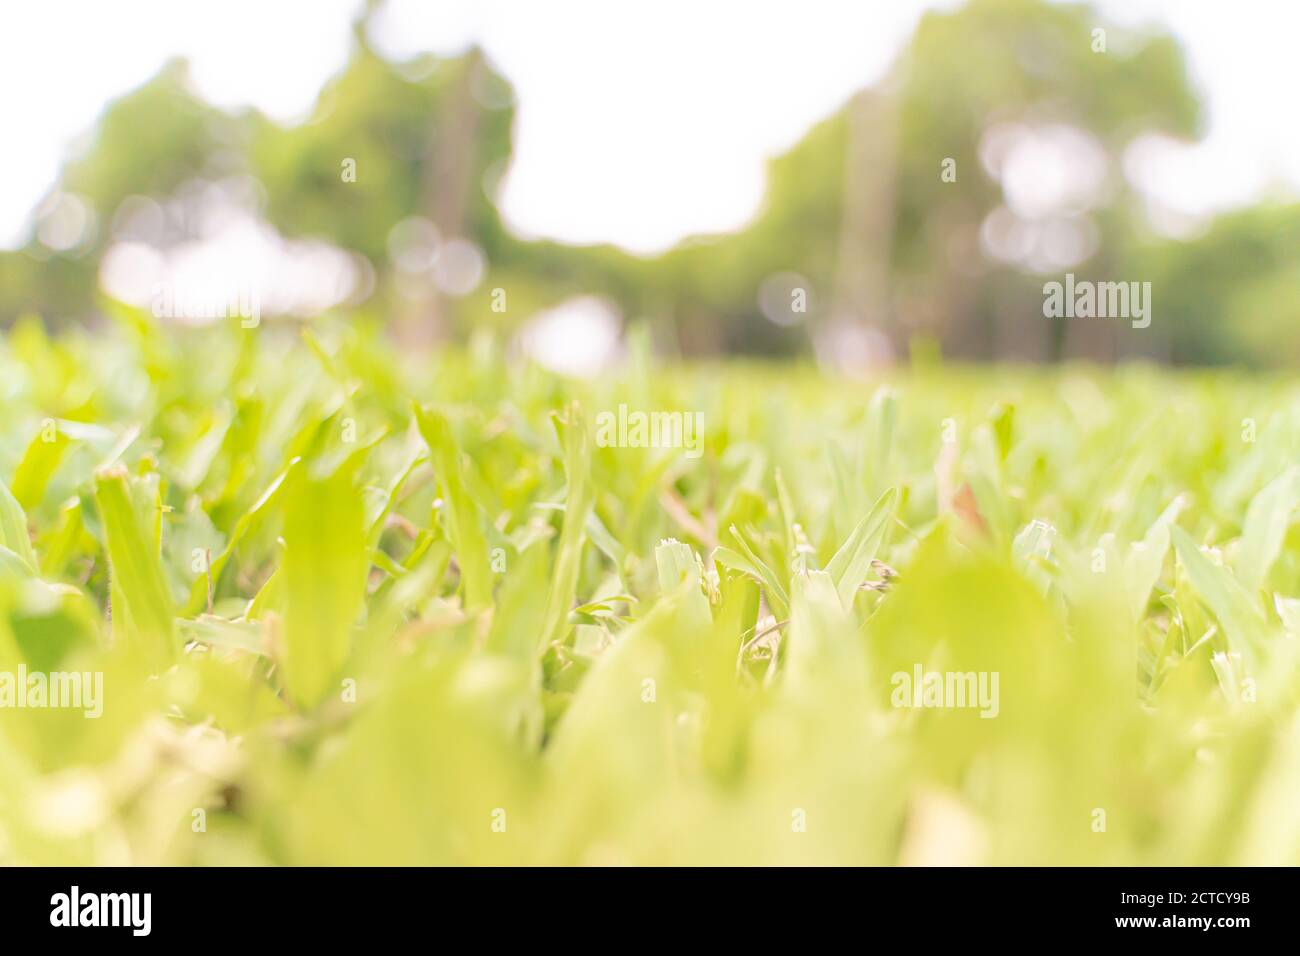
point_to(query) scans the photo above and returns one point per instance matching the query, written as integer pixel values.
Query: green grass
(358, 607)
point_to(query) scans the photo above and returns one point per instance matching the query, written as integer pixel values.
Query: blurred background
(856, 184)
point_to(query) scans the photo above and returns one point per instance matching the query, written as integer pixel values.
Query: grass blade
(577, 505)
(465, 527)
(142, 605)
(848, 568)
(324, 568)
(13, 528)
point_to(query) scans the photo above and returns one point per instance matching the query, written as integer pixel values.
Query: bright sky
(639, 122)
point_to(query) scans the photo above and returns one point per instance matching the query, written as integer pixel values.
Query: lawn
(302, 598)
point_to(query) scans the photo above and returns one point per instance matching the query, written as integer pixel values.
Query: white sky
(639, 121)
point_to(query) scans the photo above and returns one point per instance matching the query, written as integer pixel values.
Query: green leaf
(1240, 615)
(218, 632)
(13, 567)
(577, 505)
(1288, 611)
(676, 564)
(324, 567)
(389, 498)
(679, 577)
(824, 656)
(882, 416)
(849, 567)
(142, 605)
(785, 506)
(1003, 418)
(749, 563)
(604, 541)
(247, 522)
(13, 528)
(465, 525)
(1265, 527)
(38, 464)
(1147, 557)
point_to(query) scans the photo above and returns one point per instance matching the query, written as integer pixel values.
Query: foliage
(417, 615)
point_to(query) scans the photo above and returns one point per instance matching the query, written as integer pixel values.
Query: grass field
(354, 607)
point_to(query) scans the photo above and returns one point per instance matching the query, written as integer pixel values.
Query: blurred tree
(147, 143)
(862, 209)
(934, 205)
(1033, 71)
(1232, 294)
(862, 220)
(420, 145)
